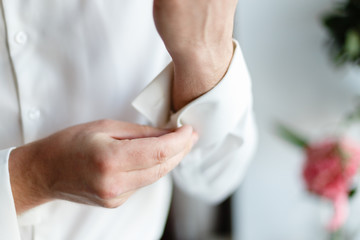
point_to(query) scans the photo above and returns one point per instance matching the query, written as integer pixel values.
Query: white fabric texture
(65, 62)
(223, 119)
(8, 221)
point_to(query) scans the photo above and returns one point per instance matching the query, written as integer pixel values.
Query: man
(65, 64)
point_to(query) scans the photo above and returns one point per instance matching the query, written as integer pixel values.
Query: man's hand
(98, 163)
(198, 36)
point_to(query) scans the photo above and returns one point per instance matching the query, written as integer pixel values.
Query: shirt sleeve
(8, 219)
(223, 117)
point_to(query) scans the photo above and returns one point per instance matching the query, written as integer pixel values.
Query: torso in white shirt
(73, 61)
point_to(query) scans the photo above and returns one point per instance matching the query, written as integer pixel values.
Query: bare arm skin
(198, 36)
(99, 163)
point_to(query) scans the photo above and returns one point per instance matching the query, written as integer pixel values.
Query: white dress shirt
(65, 62)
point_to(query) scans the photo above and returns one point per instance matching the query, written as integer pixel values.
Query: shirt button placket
(34, 114)
(21, 38)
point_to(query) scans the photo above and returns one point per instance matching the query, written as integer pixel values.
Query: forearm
(198, 36)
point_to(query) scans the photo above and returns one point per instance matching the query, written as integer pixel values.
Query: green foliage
(337, 235)
(352, 192)
(342, 154)
(343, 26)
(292, 137)
(353, 117)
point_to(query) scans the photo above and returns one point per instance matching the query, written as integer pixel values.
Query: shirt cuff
(8, 220)
(222, 117)
(220, 109)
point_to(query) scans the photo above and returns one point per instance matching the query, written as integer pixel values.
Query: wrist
(198, 71)
(212, 56)
(27, 182)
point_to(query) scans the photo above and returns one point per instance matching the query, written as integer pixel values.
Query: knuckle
(108, 204)
(106, 192)
(103, 162)
(114, 203)
(161, 171)
(161, 156)
(110, 196)
(103, 166)
(103, 122)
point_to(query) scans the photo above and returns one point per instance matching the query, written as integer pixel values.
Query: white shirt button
(34, 114)
(21, 38)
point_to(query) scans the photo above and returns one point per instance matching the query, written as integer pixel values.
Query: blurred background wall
(295, 83)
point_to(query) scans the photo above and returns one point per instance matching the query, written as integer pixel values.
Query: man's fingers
(144, 177)
(144, 153)
(113, 202)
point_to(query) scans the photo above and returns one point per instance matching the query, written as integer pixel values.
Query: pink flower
(329, 169)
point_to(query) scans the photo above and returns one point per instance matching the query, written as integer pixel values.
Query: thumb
(125, 130)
